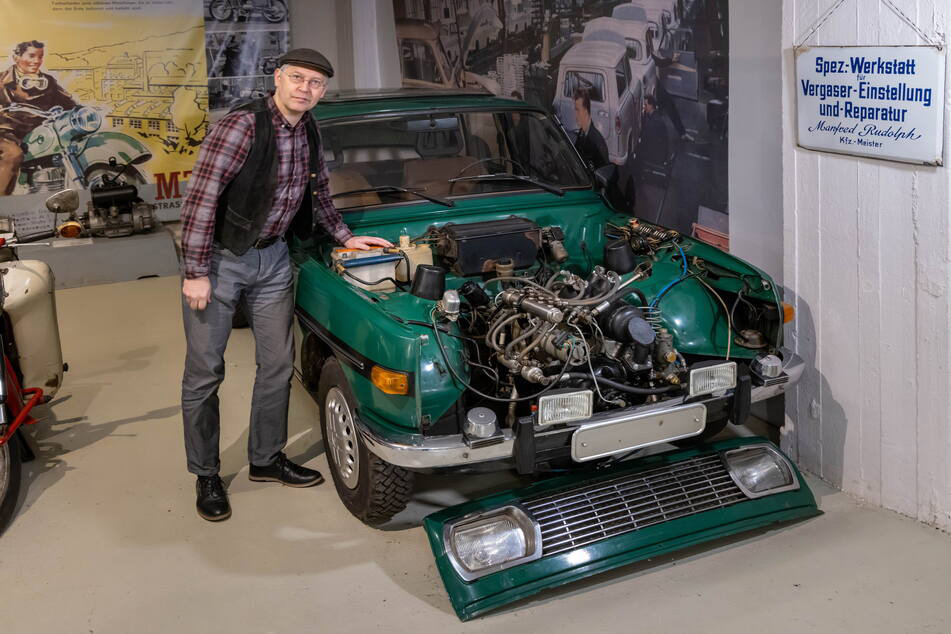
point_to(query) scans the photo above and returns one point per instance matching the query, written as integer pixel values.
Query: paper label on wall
(884, 102)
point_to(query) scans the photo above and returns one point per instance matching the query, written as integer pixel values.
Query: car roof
(625, 28)
(629, 11)
(594, 53)
(347, 103)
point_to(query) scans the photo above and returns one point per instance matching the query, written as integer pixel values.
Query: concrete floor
(106, 538)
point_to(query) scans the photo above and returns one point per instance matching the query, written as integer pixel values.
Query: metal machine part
(481, 422)
(475, 248)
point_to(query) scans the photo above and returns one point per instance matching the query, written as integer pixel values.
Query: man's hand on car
(365, 242)
(197, 292)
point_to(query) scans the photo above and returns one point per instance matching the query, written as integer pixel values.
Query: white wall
(358, 36)
(755, 169)
(867, 249)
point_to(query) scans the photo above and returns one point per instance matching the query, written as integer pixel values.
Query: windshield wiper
(505, 176)
(392, 189)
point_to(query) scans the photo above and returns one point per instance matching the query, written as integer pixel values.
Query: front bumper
(416, 451)
(590, 523)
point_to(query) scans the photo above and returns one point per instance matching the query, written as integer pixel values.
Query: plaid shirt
(221, 157)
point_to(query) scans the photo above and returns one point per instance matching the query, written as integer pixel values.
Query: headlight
(565, 407)
(712, 378)
(492, 541)
(85, 120)
(760, 470)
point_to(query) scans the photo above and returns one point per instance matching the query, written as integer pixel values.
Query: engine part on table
(449, 305)
(474, 294)
(519, 299)
(475, 248)
(553, 238)
(115, 210)
(369, 269)
(751, 339)
(429, 282)
(619, 257)
(416, 254)
(481, 422)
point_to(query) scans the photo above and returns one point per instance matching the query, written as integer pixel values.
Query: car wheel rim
(342, 438)
(5, 468)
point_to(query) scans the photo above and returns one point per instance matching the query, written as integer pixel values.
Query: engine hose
(522, 337)
(630, 389)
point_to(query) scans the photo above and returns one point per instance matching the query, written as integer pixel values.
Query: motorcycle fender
(103, 145)
(31, 306)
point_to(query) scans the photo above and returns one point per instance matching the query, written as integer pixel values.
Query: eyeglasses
(297, 79)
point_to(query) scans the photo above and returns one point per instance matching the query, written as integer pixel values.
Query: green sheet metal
(471, 599)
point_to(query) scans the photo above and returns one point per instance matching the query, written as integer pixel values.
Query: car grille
(576, 517)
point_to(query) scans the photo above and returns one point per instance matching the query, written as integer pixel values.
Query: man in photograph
(589, 142)
(24, 83)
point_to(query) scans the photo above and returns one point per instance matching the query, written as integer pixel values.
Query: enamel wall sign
(884, 102)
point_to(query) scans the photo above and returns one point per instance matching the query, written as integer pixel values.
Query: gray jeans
(265, 278)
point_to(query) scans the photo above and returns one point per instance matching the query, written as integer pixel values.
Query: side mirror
(604, 176)
(606, 179)
(64, 202)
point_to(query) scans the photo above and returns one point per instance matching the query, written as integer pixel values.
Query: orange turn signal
(70, 229)
(788, 313)
(389, 381)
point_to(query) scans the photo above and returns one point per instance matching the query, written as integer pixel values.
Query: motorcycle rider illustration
(24, 83)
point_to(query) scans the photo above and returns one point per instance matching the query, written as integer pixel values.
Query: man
(258, 168)
(589, 142)
(23, 83)
(664, 57)
(652, 149)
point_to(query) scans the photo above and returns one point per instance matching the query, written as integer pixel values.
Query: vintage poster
(243, 40)
(100, 89)
(654, 74)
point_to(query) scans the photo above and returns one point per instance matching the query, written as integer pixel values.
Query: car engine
(528, 333)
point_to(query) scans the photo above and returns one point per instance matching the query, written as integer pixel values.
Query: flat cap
(307, 58)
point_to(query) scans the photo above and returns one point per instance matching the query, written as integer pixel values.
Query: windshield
(444, 156)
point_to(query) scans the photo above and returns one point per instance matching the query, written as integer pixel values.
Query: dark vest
(244, 204)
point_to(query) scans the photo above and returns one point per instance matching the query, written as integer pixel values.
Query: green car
(523, 321)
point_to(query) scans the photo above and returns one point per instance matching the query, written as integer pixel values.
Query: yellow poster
(94, 89)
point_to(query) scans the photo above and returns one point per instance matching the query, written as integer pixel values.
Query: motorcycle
(67, 148)
(32, 356)
(271, 10)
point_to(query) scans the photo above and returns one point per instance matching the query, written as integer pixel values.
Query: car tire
(312, 359)
(10, 473)
(372, 489)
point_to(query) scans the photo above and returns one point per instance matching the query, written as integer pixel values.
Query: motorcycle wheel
(275, 11)
(10, 471)
(220, 10)
(131, 176)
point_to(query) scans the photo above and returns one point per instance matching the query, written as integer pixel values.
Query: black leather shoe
(212, 501)
(286, 472)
